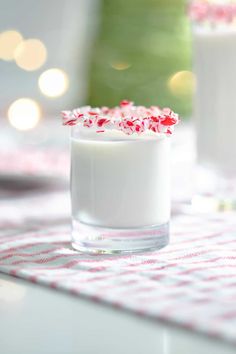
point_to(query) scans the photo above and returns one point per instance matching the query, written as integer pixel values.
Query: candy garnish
(128, 118)
(125, 103)
(201, 11)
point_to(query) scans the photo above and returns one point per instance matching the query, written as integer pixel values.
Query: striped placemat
(191, 283)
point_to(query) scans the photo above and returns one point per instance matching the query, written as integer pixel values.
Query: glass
(214, 51)
(120, 192)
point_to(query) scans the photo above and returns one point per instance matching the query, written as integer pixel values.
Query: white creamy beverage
(120, 181)
(214, 60)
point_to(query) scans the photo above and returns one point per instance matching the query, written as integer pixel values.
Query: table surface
(35, 319)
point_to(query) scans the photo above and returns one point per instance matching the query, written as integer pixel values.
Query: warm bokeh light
(24, 114)
(182, 83)
(53, 82)
(120, 65)
(9, 40)
(30, 54)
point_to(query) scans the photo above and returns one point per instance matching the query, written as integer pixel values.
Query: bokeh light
(53, 82)
(24, 114)
(120, 65)
(30, 54)
(9, 40)
(182, 83)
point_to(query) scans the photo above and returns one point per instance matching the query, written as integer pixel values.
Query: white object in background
(214, 53)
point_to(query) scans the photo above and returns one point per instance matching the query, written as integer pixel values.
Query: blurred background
(60, 54)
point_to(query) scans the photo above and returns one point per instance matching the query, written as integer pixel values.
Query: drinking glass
(120, 191)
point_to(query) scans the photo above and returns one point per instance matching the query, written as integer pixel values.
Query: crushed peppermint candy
(128, 118)
(201, 11)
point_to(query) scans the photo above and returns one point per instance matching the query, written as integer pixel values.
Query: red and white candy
(215, 13)
(128, 118)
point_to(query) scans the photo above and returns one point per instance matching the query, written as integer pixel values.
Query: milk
(214, 60)
(120, 181)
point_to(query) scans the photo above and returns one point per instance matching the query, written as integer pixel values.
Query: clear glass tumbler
(214, 51)
(120, 192)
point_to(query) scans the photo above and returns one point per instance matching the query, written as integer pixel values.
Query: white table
(37, 320)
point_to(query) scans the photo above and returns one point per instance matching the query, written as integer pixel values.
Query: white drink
(120, 181)
(214, 59)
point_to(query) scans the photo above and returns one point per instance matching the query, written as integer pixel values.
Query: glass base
(98, 240)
